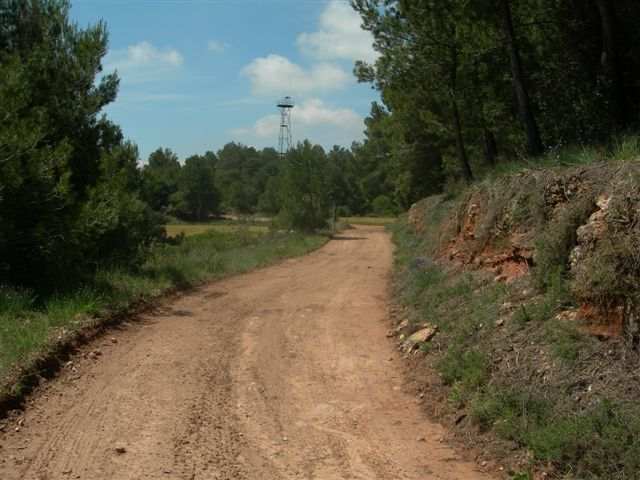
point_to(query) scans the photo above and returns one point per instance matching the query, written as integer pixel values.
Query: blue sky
(196, 74)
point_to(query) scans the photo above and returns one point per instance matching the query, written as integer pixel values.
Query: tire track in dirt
(283, 373)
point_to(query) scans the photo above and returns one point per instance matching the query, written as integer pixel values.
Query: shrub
(344, 211)
(383, 205)
(556, 296)
(510, 412)
(558, 239)
(115, 226)
(304, 195)
(470, 368)
(599, 443)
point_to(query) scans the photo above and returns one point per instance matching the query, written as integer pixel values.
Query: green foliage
(186, 191)
(600, 442)
(269, 201)
(466, 85)
(197, 187)
(242, 175)
(115, 226)
(556, 296)
(382, 205)
(396, 161)
(251, 180)
(555, 243)
(470, 368)
(511, 413)
(305, 194)
(60, 163)
(160, 179)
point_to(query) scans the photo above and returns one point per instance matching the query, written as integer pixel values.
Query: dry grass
(369, 220)
(173, 230)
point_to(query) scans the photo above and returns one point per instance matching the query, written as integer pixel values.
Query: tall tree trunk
(457, 123)
(610, 62)
(460, 146)
(534, 143)
(490, 146)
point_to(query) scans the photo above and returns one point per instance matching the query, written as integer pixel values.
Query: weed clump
(465, 371)
(556, 241)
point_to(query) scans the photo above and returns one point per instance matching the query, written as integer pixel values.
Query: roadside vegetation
(540, 366)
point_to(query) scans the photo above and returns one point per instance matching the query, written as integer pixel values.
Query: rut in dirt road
(283, 373)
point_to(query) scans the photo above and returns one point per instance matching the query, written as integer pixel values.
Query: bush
(511, 413)
(555, 243)
(68, 180)
(305, 199)
(343, 211)
(599, 443)
(115, 227)
(383, 205)
(470, 368)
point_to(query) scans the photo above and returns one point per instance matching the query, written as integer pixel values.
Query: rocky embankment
(521, 294)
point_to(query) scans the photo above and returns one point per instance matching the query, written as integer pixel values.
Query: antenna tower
(285, 140)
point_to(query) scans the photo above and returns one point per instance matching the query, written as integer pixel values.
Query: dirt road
(284, 373)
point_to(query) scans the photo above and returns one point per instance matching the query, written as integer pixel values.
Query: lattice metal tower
(284, 142)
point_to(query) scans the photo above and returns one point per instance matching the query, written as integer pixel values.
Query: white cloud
(311, 119)
(216, 46)
(315, 112)
(339, 36)
(143, 62)
(276, 75)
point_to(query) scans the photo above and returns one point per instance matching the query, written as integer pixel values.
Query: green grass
(189, 229)
(369, 220)
(600, 442)
(29, 326)
(462, 306)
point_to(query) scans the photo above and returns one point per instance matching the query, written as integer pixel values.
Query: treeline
(70, 187)
(304, 189)
(467, 83)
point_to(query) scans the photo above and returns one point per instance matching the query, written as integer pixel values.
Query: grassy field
(190, 229)
(30, 326)
(369, 220)
(173, 230)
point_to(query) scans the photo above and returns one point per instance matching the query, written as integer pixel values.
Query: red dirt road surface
(283, 373)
